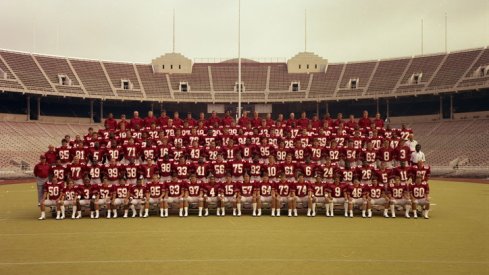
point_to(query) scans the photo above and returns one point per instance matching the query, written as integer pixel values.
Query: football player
(120, 196)
(137, 195)
(265, 193)
(399, 195)
(68, 198)
(103, 197)
(376, 196)
(419, 196)
(282, 194)
(52, 193)
(337, 194)
(356, 196)
(196, 193)
(155, 191)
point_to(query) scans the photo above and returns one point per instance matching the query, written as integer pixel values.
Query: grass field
(454, 241)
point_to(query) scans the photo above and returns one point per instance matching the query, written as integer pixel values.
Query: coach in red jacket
(41, 171)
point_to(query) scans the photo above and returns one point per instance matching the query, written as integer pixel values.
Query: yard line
(214, 231)
(258, 260)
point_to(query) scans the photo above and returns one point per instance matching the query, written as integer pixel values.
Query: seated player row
(144, 151)
(180, 194)
(237, 167)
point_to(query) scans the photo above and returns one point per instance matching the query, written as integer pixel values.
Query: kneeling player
(245, 193)
(398, 195)
(357, 197)
(196, 193)
(211, 195)
(337, 195)
(419, 195)
(103, 197)
(318, 195)
(376, 196)
(52, 193)
(176, 192)
(137, 198)
(120, 196)
(265, 193)
(86, 193)
(283, 195)
(227, 194)
(302, 194)
(155, 191)
(69, 199)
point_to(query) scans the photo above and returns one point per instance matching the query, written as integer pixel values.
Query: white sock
(363, 212)
(114, 212)
(326, 205)
(166, 212)
(180, 212)
(74, 210)
(309, 211)
(254, 207)
(386, 211)
(185, 210)
(295, 212)
(126, 212)
(200, 211)
(62, 210)
(273, 211)
(161, 212)
(57, 214)
(290, 211)
(223, 211)
(146, 211)
(239, 208)
(259, 211)
(218, 211)
(393, 211)
(314, 208)
(43, 214)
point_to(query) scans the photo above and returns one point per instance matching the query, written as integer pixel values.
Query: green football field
(455, 240)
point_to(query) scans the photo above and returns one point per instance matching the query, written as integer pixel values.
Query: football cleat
(41, 218)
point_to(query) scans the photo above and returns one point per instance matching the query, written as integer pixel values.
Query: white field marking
(211, 231)
(264, 260)
(17, 191)
(432, 203)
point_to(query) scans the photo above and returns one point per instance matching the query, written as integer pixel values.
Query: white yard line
(246, 260)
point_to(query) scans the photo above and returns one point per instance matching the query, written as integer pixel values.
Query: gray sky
(339, 30)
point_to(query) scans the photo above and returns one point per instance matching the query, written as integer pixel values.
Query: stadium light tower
(239, 59)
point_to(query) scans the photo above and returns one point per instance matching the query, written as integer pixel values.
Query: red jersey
(338, 190)
(149, 152)
(147, 171)
(318, 189)
(327, 171)
(397, 191)
(266, 188)
(375, 191)
(420, 191)
(289, 169)
(80, 153)
(58, 172)
(237, 168)
(137, 192)
(424, 172)
(245, 189)
(403, 173)
(365, 172)
(369, 156)
(347, 174)
(316, 153)
(195, 153)
(229, 188)
(383, 176)
(76, 171)
(130, 151)
(351, 154)
(255, 169)
(113, 172)
(194, 189)
(104, 192)
(54, 190)
(70, 194)
(219, 169)
(113, 153)
(63, 153)
(301, 189)
(201, 170)
(403, 153)
(212, 190)
(283, 188)
(182, 170)
(386, 154)
(155, 189)
(164, 168)
(176, 189)
(95, 170)
(272, 170)
(121, 191)
(131, 171)
(356, 191)
(86, 191)
(308, 170)
(334, 154)
(280, 154)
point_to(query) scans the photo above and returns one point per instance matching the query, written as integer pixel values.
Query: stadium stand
(93, 77)
(55, 68)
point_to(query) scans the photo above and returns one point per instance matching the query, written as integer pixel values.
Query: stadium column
(377, 106)
(28, 108)
(451, 106)
(101, 110)
(91, 111)
(38, 115)
(387, 108)
(441, 107)
(327, 107)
